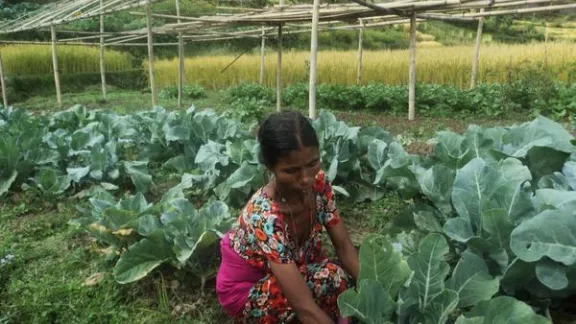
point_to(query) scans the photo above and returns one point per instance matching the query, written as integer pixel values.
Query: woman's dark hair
(283, 132)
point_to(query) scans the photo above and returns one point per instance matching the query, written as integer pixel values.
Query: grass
(23, 60)
(49, 279)
(441, 65)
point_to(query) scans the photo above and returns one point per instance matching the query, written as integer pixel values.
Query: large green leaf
(459, 229)
(77, 174)
(449, 149)
(549, 234)
(203, 246)
(555, 181)
(553, 199)
(428, 219)
(148, 224)
(472, 281)
(505, 310)
(377, 154)
(436, 183)
(141, 258)
(211, 154)
(491, 195)
(439, 309)
(542, 132)
(136, 203)
(371, 304)
(569, 171)
(472, 320)
(397, 170)
(177, 133)
(380, 262)
(85, 138)
(5, 184)
(50, 181)
(430, 271)
(138, 172)
(552, 274)
(521, 278)
(497, 258)
(544, 161)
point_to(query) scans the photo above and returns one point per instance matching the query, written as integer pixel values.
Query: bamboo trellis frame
(293, 19)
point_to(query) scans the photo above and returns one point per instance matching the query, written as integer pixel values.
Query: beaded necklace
(308, 205)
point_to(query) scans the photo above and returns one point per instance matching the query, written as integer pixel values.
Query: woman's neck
(289, 195)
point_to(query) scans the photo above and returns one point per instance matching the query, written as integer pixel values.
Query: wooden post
(55, 65)
(279, 71)
(102, 67)
(3, 83)
(546, 47)
(313, 60)
(477, 51)
(180, 58)
(262, 55)
(151, 53)
(360, 53)
(412, 77)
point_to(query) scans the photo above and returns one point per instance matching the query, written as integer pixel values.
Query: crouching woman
(273, 268)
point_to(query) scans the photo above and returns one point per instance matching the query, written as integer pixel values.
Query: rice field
(440, 65)
(37, 59)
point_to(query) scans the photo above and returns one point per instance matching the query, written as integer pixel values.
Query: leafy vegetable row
(74, 149)
(498, 205)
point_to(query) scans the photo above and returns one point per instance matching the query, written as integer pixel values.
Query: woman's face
(297, 170)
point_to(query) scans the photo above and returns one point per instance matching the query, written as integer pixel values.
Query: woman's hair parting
(283, 132)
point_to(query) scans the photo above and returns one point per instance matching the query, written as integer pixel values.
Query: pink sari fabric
(235, 279)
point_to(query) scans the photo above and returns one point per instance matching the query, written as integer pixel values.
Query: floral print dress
(263, 236)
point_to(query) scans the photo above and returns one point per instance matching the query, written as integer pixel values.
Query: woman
(273, 267)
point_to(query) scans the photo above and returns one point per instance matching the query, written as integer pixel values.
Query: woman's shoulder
(321, 183)
(260, 206)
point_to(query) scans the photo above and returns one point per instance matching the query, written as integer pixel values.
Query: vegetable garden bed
(488, 231)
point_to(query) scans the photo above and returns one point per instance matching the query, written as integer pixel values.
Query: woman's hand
(298, 294)
(347, 253)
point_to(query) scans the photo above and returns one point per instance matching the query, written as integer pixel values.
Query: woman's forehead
(299, 157)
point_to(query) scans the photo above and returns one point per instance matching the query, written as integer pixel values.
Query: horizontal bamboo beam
(46, 43)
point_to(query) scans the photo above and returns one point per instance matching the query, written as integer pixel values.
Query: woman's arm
(298, 294)
(347, 253)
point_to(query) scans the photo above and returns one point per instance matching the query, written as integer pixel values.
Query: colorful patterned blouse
(263, 235)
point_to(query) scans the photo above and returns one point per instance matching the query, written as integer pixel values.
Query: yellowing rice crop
(441, 65)
(37, 59)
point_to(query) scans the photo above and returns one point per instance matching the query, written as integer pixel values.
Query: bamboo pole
(360, 53)
(55, 65)
(412, 77)
(124, 39)
(279, 71)
(180, 58)
(46, 43)
(151, 53)
(477, 52)
(81, 38)
(3, 83)
(313, 60)
(262, 55)
(546, 47)
(102, 67)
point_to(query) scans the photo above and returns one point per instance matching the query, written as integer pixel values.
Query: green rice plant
(441, 65)
(20, 60)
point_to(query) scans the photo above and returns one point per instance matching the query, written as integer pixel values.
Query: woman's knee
(328, 275)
